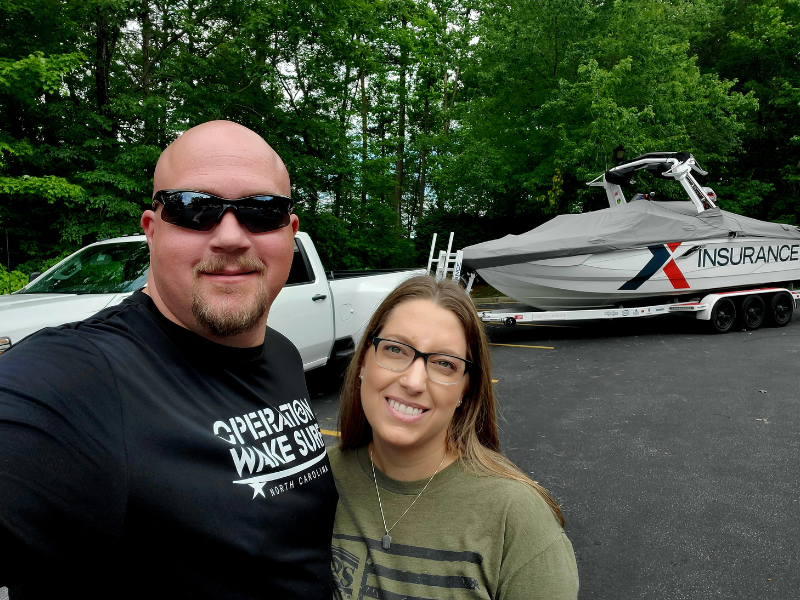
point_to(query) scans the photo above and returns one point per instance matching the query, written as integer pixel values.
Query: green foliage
(373, 242)
(17, 280)
(396, 119)
(25, 77)
(754, 43)
(626, 76)
(49, 187)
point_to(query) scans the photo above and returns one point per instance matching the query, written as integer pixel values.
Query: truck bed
(332, 275)
(356, 296)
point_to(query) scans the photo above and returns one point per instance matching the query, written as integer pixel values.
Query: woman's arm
(550, 575)
(538, 560)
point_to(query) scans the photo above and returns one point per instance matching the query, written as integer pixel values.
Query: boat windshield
(105, 269)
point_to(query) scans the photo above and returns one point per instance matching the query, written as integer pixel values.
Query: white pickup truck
(324, 314)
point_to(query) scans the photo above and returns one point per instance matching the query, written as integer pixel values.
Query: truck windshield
(105, 269)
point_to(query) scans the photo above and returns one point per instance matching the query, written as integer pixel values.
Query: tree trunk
(401, 133)
(449, 106)
(364, 113)
(338, 187)
(346, 98)
(147, 32)
(421, 196)
(423, 154)
(102, 62)
(382, 123)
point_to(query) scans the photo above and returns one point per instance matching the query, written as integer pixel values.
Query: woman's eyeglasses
(441, 368)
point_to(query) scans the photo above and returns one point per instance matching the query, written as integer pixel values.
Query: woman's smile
(404, 410)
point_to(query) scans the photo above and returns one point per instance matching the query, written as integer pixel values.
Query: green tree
(396, 118)
(755, 43)
(555, 86)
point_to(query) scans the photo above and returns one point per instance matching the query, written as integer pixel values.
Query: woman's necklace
(386, 542)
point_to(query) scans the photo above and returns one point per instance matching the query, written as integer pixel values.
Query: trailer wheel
(781, 308)
(510, 321)
(723, 315)
(753, 311)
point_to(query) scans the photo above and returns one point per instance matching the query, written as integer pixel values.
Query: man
(127, 441)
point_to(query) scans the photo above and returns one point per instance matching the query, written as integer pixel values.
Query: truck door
(303, 311)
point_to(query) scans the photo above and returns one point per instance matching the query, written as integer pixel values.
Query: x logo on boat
(662, 257)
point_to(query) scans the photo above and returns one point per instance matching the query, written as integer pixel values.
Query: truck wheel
(510, 321)
(753, 311)
(723, 315)
(781, 308)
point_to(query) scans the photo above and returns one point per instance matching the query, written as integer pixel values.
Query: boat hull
(657, 271)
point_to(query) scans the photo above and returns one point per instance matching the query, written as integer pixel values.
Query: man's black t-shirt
(138, 459)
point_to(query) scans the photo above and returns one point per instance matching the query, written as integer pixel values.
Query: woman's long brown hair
(473, 433)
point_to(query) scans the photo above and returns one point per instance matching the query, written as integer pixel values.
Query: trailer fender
(767, 292)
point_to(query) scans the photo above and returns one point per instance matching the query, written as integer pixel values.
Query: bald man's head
(224, 159)
(221, 282)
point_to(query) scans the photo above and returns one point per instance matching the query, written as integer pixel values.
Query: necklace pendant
(386, 542)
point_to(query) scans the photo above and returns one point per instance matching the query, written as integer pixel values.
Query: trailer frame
(708, 308)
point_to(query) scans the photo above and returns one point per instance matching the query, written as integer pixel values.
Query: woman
(428, 507)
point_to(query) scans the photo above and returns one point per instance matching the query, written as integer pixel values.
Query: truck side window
(301, 271)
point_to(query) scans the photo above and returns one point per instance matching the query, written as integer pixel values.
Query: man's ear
(148, 223)
(295, 222)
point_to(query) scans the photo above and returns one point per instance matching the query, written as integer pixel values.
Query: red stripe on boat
(675, 276)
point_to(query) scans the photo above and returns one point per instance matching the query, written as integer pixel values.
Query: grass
(484, 291)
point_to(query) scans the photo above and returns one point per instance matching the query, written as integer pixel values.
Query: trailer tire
(510, 322)
(781, 308)
(753, 311)
(723, 315)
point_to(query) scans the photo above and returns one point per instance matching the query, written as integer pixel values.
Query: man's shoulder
(278, 346)
(273, 336)
(75, 347)
(63, 375)
(129, 314)
(112, 319)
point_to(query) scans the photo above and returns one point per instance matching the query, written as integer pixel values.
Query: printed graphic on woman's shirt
(423, 572)
(279, 449)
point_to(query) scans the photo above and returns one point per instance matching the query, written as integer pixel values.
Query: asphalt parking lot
(674, 453)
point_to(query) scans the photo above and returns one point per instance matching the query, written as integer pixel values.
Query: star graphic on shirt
(258, 488)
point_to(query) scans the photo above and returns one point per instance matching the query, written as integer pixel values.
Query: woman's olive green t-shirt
(465, 537)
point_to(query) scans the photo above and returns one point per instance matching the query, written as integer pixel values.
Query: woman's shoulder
(529, 526)
(336, 456)
(343, 461)
(334, 453)
(521, 504)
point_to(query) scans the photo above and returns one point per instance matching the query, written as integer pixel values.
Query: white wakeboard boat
(639, 250)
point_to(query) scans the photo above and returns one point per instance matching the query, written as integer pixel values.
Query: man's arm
(62, 458)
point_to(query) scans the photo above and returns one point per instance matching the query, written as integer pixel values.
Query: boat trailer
(771, 305)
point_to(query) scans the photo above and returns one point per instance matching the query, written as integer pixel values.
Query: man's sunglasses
(200, 211)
